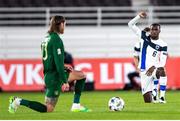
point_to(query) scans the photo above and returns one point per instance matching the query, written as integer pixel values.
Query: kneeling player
(152, 59)
(55, 74)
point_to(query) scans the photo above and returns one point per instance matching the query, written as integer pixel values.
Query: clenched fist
(142, 14)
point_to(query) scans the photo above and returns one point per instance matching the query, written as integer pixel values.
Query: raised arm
(132, 23)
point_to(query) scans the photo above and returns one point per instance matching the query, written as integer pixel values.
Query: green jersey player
(56, 74)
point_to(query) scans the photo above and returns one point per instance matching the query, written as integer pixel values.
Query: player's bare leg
(76, 75)
(50, 103)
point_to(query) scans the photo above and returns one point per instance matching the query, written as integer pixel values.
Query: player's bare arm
(132, 23)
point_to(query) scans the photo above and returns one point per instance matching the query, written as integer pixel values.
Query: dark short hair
(156, 24)
(55, 22)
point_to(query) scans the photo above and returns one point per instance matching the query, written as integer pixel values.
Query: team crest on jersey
(157, 47)
(58, 51)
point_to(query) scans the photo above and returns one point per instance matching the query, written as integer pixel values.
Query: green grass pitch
(135, 108)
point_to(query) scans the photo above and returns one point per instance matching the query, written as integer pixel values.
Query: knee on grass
(50, 108)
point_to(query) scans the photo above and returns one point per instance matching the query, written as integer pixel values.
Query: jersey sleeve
(133, 27)
(162, 58)
(137, 49)
(58, 53)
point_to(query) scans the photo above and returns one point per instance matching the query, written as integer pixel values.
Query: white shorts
(147, 81)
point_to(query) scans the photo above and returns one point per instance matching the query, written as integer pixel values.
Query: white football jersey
(137, 49)
(152, 52)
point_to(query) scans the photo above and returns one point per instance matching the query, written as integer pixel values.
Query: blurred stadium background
(97, 36)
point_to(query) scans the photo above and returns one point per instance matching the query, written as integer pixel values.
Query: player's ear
(61, 25)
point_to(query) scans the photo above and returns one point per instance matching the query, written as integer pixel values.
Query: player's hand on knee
(68, 67)
(150, 71)
(65, 87)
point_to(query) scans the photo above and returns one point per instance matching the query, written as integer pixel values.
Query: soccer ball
(116, 104)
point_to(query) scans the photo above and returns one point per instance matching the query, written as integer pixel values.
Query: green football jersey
(53, 59)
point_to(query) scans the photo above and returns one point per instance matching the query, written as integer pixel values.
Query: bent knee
(50, 108)
(81, 75)
(161, 71)
(147, 97)
(76, 75)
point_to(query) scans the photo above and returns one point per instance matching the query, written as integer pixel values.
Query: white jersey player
(137, 48)
(152, 59)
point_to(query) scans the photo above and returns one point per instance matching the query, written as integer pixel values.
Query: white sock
(18, 101)
(163, 83)
(76, 105)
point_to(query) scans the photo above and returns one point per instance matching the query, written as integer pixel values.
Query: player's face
(62, 27)
(154, 31)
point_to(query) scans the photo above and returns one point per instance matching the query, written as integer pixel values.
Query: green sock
(34, 105)
(79, 87)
